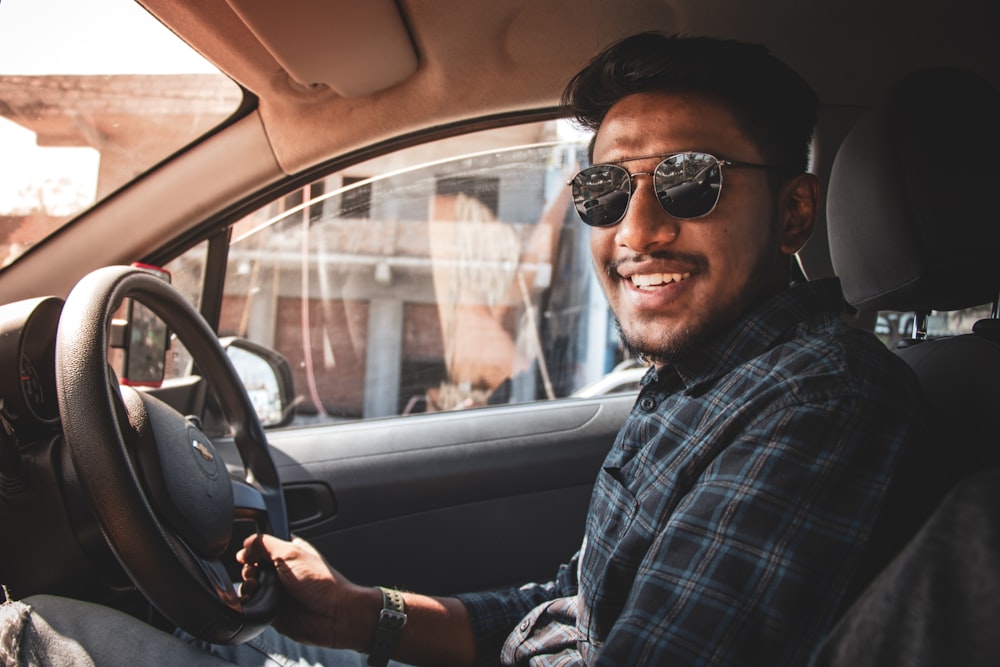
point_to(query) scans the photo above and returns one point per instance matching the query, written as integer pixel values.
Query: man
(730, 521)
(751, 491)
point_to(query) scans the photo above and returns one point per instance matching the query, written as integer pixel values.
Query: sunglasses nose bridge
(632, 176)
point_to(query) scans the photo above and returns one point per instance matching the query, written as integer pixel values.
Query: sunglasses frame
(617, 164)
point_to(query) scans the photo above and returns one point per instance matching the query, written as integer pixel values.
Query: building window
(356, 202)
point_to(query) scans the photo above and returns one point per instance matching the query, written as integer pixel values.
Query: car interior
(888, 195)
(374, 319)
(930, 218)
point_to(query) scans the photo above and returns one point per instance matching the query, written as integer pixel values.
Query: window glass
(187, 274)
(92, 94)
(445, 276)
(892, 327)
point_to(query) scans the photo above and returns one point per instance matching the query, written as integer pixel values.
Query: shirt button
(525, 624)
(647, 403)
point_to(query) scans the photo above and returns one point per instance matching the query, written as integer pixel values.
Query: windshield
(92, 94)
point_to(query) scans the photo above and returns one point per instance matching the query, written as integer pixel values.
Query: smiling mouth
(653, 280)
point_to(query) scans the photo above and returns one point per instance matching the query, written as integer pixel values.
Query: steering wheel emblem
(205, 452)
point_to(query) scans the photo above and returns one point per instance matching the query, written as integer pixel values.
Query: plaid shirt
(730, 516)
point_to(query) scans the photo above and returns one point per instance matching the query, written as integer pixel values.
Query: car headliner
(518, 54)
(444, 63)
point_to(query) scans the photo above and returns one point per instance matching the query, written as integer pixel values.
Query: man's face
(672, 282)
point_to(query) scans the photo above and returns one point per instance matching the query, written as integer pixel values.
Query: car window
(892, 327)
(187, 275)
(445, 276)
(84, 111)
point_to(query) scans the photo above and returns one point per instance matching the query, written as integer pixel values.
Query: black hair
(774, 106)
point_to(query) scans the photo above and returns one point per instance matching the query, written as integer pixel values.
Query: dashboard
(28, 401)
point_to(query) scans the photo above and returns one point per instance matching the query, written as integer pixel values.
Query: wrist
(388, 629)
(358, 627)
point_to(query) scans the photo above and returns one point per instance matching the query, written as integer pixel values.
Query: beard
(662, 346)
(661, 352)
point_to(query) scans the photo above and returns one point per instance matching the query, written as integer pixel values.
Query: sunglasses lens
(601, 193)
(688, 184)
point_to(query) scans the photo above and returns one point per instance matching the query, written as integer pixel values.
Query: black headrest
(913, 208)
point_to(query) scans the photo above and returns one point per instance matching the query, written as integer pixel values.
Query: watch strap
(391, 620)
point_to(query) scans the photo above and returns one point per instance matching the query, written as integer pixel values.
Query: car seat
(913, 216)
(913, 224)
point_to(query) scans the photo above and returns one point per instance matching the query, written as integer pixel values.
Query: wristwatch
(391, 620)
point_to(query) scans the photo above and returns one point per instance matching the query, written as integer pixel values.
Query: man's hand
(323, 607)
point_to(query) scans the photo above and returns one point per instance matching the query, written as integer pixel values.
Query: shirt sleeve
(751, 565)
(494, 614)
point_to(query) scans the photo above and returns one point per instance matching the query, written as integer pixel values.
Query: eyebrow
(725, 162)
(657, 155)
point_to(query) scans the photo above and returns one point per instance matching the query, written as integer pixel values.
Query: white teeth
(654, 279)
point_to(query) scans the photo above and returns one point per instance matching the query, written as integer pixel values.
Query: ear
(799, 201)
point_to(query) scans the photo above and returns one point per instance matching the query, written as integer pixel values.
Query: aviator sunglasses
(687, 185)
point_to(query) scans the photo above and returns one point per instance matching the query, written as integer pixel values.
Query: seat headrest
(913, 206)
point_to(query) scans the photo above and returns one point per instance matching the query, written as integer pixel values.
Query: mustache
(695, 262)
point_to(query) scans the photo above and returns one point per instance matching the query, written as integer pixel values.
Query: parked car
(624, 377)
(367, 204)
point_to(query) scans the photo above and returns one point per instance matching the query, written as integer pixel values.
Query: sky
(89, 37)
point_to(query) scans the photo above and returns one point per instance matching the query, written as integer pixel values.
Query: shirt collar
(754, 333)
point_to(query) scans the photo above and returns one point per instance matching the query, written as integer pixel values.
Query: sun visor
(353, 48)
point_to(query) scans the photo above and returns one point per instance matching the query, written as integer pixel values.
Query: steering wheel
(163, 497)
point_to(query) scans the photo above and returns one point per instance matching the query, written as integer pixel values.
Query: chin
(658, 346)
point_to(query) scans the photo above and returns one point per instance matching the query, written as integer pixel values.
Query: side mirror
(267, 377)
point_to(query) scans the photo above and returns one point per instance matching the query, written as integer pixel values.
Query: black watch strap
(391, 620)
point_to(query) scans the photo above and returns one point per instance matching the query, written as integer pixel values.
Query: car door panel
(449, 502)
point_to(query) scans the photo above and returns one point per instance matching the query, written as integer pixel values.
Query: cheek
(750, 255)
(733, 254)
(726, 246)
(743, 227)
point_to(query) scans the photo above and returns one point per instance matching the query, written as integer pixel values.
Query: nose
(646, 226)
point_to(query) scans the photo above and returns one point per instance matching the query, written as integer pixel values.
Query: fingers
(296, 562)
(261, 547)
(249, 587)
(266, 551)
